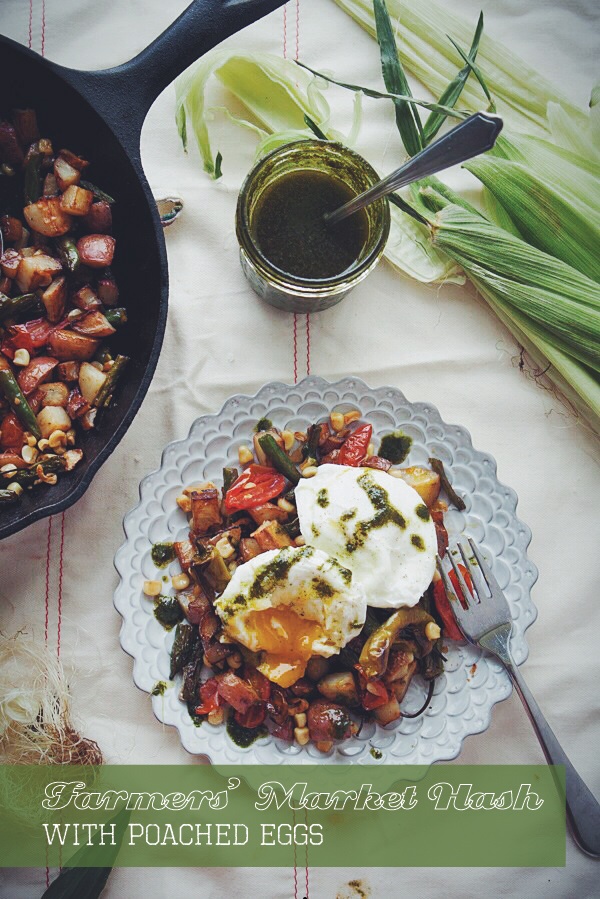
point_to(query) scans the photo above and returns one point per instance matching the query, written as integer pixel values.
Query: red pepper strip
(255, 715)
(442, 603)
(354, 449)
(261, 684)
(375, 695)
(256, 485)
(209, 697)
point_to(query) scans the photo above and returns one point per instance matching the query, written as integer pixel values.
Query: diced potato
(76, 161)
(65, 174)
(423, 480)
(339, 687)
(271, 535)
(90, 381)
(76, 200)
(55, 393)
(54, 298)
(9, 263)
(53, 418)
(12, 228)
(388, 712)
(36, 271)
(47, 217)
(67, 346)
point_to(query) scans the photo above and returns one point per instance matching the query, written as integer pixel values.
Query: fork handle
(583, 810)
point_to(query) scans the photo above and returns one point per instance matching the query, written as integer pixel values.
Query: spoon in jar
(473, 136)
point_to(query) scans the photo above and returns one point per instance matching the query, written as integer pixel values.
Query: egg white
(309, 582)
(337, 511)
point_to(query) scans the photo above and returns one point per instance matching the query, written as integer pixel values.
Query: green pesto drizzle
(315, 531)
(162, 554)
(349, 515)
(323, 498)
(423, 512)
(322, 588)
(417, 541)
(265, 424)
(395, 447)
(244, 736)
(385, 513)
(167, 611)
(159, 688)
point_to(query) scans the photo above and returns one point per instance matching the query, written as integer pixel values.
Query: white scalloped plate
(471, 684)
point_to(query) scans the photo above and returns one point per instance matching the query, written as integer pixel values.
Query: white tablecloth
(437, 345)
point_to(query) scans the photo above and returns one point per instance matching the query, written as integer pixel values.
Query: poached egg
(291, 604)
(374, 524)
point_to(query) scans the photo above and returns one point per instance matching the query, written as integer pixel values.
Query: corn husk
(522, 95)
(553, 295)
(546, 214)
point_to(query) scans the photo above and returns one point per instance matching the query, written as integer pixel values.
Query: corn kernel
(57, 440)
(337, 420)
(98, 365)
(151, 588)
(180, 581)
(8, 469)
(21, 358)
(288, 440)
(300, 719)
(31, 440)
(309, 472)
(432, 630)
(349, 417)
(371, 449)
(285, 505)
(29, 454)
(324, 745)
(216, 717)
(15, 487)
(224, 548)
(300, 541)
(184, 503)
(300, 436)
(245, 454)
(302, 735)
(43, 444)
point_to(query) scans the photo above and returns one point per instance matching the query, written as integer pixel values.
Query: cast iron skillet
(100, 115)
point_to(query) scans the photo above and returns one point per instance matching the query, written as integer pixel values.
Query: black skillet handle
(124, 94)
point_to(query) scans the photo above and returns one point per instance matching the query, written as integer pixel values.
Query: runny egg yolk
(286, 640)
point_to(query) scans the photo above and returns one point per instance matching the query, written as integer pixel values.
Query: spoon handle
(473, 136)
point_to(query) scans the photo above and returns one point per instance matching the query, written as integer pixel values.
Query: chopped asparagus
(104, 395)
(438, 467)
(15, 396)
(280, 460)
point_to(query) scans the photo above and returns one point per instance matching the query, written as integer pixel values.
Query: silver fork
(487, 622)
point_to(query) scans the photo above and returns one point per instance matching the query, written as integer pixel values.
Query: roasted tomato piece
(256, 485)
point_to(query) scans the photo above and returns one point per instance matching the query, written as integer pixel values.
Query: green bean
(69, 255)
(116, 317)
(99, 194)
(312, 444)
(281, 461)
(26, 476)
(32, 179)
(16, 398)
(104, 395)
(229, 476)
(11, 307)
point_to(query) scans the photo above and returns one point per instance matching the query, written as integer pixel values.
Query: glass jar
(292, 292)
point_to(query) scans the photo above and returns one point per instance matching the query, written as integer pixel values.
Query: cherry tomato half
(256, 485)
(354, 449)
(209, 697)
(442, 603)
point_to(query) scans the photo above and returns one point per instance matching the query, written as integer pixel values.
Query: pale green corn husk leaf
(497, 214)
(577, 384)
(560, 166)
(276, 93)
(570, 132)
(548, 216)
(522, 95)
(563, 301)
(409, 250)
